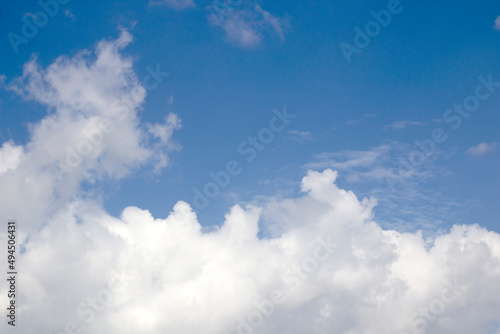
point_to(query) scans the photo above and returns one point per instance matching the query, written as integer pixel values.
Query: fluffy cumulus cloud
(91, 130)
(247, 26)
(323, 265)
(316, 263)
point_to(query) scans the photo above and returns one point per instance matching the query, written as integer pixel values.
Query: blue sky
(243, 166)
(427, 59)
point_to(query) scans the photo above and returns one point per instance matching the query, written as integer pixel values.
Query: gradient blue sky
(356, 117)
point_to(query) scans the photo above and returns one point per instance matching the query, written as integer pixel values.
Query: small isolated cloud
(164, 133)
(400, 125)
(33, 16)
(299, 136)
(174, 4)
(481, 149)
(69, 13)
(247, 27)
(497, 23)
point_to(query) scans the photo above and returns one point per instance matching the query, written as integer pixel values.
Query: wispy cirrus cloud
(373, 164)
(246, 27)
(174, 4)
(405, 201)
(400, 125)
(481, 148)
(299, 136)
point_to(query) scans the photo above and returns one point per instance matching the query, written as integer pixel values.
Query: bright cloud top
(317, 263)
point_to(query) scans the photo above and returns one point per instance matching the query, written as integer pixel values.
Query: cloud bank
(316, 263)
(323, 266)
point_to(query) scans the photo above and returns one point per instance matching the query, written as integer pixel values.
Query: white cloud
(349, 159)
(174, 4)
(91, 130)
(400, 125)
(375, 164)
(481, 148)
(333, 267)
(497, 23)
(164, 133)
(405, 192)
(246, 27)
(299, 136)
(69, 13)
(10, 156)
